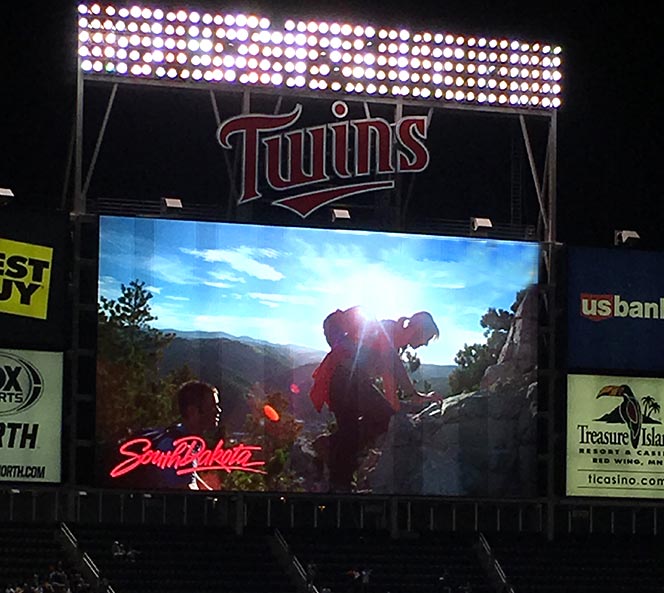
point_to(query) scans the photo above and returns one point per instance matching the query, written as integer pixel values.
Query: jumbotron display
(257, 358)
(142, 43)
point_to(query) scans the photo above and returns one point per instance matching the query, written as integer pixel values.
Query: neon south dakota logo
(21, 384)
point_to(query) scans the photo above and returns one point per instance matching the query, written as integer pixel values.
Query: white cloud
(241, 260)
(226, 276)
(108, 283)
(171, 270)
(275, 299)
(270, 304)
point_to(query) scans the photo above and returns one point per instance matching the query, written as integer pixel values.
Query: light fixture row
(148, 43)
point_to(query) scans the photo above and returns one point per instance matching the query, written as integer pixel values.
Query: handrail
(84, 557)
(90, 563)
(295, 561)
(492, 561)
(68, 534)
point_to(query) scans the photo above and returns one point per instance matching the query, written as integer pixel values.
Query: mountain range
(240, 365)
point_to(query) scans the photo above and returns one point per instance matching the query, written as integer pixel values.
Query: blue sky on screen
(278, 283)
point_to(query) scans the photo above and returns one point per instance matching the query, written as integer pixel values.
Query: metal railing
(494, 567)
(89, 568)
(295, 563)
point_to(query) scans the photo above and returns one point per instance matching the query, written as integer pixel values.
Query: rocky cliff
(473, 444)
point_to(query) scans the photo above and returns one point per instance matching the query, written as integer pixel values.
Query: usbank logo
(25, 278)
(599, 307)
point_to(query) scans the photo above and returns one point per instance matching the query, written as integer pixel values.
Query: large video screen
(255, 358)
(615, 436)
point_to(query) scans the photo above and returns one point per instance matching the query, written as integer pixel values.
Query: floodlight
(172, 203)
(480, 226)
(340, 214)
(6, 195)
(625, 238)
(105, 44)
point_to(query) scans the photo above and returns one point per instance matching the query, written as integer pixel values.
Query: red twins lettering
(298, 158)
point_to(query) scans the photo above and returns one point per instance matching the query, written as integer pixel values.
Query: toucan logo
(631, 412)
(598, 307)
(21, 384)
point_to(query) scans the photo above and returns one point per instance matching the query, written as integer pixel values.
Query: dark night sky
(609, 146)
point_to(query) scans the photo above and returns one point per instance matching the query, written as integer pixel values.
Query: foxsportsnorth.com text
(23, 472)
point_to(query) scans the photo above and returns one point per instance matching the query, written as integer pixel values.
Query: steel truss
(394, 208)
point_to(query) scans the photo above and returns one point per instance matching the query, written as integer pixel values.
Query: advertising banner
(32, 279)
(30, 415)
(615, 309)
(245, 357)
(615, 438)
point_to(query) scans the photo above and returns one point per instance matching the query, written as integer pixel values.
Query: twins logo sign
(332, 161)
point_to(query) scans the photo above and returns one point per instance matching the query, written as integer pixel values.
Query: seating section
(589, 564)
(172, 559)
(405, 565)
(31, 555)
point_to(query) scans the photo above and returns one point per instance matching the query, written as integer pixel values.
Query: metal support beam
(533, 171)
(100, 139)
(411, 185)
(233, 194)
(552, 149)
(78, 206)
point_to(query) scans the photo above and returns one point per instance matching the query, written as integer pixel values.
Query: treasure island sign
(341, 156)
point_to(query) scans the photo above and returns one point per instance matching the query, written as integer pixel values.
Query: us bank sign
(318, 165)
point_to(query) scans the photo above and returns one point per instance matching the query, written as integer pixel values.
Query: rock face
(475, 444)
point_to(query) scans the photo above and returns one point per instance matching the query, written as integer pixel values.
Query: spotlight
(625, 238)
(6, 195)
(171, 206)
(340, 214)
(480, 226)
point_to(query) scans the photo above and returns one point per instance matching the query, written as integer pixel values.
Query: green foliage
(412, 361)
(130, 393)
(474, 359)
(276, 440)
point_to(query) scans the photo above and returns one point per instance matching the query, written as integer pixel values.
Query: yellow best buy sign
(25, 277)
